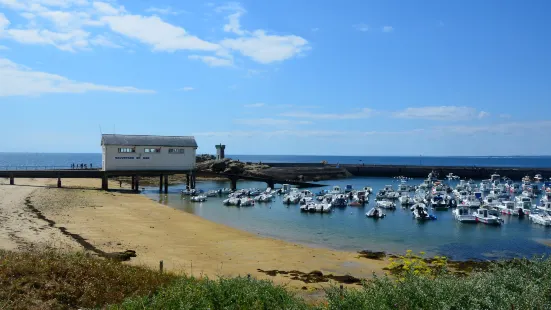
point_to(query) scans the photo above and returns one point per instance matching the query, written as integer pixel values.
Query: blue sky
(279, 77)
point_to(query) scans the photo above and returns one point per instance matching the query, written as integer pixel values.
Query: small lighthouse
(220, 151)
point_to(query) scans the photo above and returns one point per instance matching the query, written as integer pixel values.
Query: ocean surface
(64, 160)
(349, 228)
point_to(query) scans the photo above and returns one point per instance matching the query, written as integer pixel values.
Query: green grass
(54, 280)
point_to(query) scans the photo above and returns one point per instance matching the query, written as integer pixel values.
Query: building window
(127, 150)
(158, 150)
(176, 151)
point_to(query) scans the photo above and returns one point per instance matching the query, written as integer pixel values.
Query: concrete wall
(115, 161)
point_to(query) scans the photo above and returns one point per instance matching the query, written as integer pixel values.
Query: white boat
(438, 202)
(405, 200)
(305, 200)
(471, 202)
(426, 184)
(546, 197)
(368, 190)
(304, 208)
(264, 198)
(385, 204)
(464, 215)
(545, 207)
(506, 207)
(491, 201)
(199, 198)
(312, 207)
(339, 201)
(246, 202)
(523, 207)
(538, 178)
(376, 213)
(483, 216)
(336, 190)
(542, 218)
(420, 212)
(326, 207)
(495, 177)
(485, 186)
(212, 193)
(291, 198)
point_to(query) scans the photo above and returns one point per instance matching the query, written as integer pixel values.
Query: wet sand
(117, 221)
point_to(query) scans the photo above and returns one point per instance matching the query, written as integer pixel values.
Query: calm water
(349, 229)
(66, 159)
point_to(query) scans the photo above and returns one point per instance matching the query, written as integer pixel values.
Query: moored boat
(464, 215)
(483, 216)
(376, 213)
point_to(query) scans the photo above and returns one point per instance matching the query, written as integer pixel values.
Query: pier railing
(34, 168)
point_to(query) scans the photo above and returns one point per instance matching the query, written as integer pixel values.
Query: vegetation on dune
(55, 280)
(49, 279)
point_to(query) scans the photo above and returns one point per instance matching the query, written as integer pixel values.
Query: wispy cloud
(510, 128)
(363, 113)
(2, 47)
(440, 113)
(18, 80)
(270, 122)
(187, 88)
(255, 105)
(361, 27)
(388, 29)
(212, 60)
(305, 133)
(101, 40)
(164, 11)
(483, 114)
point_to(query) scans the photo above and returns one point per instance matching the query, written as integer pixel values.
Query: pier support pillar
(187, 181)
(192, 180)
(270, 184)
(137, 184)
(233, 184)
(58, 182)
(166, 184)
(161, 184)
(12, 180)
(104, 183)
(133, 183)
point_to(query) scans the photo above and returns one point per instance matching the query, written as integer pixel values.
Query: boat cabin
(482, 212)
(463, 211)
(495, 177)
(337, 189)
(388, 188)
(348, 188)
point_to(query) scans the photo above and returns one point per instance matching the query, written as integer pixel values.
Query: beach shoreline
(115, 221)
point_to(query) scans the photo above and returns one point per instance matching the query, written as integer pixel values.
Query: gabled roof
(144, 140)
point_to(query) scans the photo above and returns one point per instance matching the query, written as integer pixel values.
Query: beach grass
(49, 279)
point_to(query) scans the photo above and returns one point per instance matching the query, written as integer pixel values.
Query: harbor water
(349, 228)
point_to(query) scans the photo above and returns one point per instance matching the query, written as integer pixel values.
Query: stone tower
(220, 151)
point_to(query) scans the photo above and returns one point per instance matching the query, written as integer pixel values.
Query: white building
(138, 152)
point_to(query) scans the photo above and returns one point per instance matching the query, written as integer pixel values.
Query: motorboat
(451, 201)
(495, 178)
(326, 207)
(339, 201)
(291, 199)
(438, 202)
(376, 213)
(336, 190)
(348, 188)
(246, 202)
(304, 208)
(538, 178)
(485, 186)
(523, 207)
(264, 198)
(546, 197)
(541, 218)
(490, 201)
(420, 212)
(464, 215)
(403, 188)
(386, 204)
(507, 207)
(199, 198)
(306, 193)
(483, 216)
(368, 190)
(545, 207)
(305, 200)
(212, 193)
(232, 201)
(426, 184)
(471, 202)
(405, 200)
(312, 207)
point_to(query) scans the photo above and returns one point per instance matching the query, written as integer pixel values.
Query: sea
(348, 229)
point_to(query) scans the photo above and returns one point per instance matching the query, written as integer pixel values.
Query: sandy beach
(117, 221)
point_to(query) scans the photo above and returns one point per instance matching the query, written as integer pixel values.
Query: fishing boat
(376, 213)
(495, 178)
(291, 198)
(545, 207)
(438, 202)
(483, 216)
(339, 201)
(471, 202)
(368, 189)
(485, 186)
(506, 207)
(464, 215)
(420, 212)
(541, 218)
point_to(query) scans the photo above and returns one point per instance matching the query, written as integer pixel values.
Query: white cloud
(107, 9)
(17, 80)
(269, 122)
(363, 113)
(306, 133)
(165, 11)
(255, 105)
(2, 47)
(362, 27)
(187, 88)
(101, 40)
(212, 61)
(512, 128)
(157, 33)
(441, 113)
(65, 41)
(388, 29)
(483, 114)
(4, 22)
(265, 48)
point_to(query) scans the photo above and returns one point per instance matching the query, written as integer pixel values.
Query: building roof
(144, 140)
